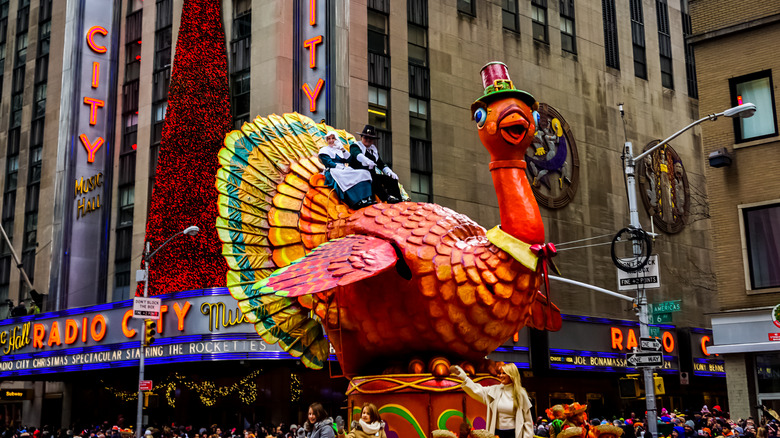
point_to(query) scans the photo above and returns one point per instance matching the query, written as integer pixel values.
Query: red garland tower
(196, 123)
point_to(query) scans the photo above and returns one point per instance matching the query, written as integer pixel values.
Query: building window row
(664, 43)
(638, 39)
(128, 146)
(240, 61)
(420, 154)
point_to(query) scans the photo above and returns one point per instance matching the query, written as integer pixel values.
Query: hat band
(500, 85)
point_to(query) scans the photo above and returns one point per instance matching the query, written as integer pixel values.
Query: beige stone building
(411, 68)
(735, 66)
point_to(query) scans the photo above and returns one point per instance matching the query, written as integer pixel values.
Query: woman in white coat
(508, 405)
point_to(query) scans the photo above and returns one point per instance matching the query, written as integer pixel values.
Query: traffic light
(629, 388)
(149, 332)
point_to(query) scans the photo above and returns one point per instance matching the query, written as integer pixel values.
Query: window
(638, 38)
(690, 62)
(21, 49)
(377, 32)
(377, 107)
(664, 44)
(467, 7)
(761, 225)
(539, 19)
(422, 167)
(418, 118)
(610, 34)
(568, 36)
(240, 57)
(768, 372)
(509, 15)
(755, 88)
(418, 45)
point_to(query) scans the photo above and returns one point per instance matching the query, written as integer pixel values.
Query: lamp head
(745, 110)
(191, 231)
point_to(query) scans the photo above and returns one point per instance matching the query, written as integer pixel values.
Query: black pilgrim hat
(369, 131)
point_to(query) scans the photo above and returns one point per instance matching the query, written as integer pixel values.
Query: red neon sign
(91, 147)
(312, 95)
(91, 39)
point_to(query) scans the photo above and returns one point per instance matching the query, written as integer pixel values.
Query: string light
(208, 392)
(295, 388)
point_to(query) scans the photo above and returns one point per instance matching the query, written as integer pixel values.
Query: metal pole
(140, 418)
(641, 296)
(16, 259)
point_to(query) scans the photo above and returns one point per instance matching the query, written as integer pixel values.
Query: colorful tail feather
(273, 210)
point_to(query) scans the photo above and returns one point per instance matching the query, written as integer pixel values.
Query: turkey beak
(513, 128)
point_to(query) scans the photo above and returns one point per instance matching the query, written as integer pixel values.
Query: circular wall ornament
(776, 315)
(663, 187)
(553, 165)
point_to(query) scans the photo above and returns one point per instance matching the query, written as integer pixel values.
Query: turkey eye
(480, 115)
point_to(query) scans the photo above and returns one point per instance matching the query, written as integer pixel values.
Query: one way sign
(640, 360)
(649, 344)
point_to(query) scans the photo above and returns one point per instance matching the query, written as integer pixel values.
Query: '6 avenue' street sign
(645, 359)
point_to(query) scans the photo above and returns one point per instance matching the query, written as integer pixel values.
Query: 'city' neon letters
(91, 147)
(91, 39)
(312, 95)
(311, 44)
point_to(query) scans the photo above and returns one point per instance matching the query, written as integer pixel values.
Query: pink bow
(546, 251)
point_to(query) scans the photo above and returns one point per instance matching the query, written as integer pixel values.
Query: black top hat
(369, 131)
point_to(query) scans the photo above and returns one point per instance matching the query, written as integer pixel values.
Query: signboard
(704, 362)
(666, 307)
(145, 385)
(16, 394)
(85, 150)
(193, 326)
(645, 359)
(312, 40)
(647, 277)
(650, 344)
(660, 318)
(599, 344)
(146, 308)
(516, 350)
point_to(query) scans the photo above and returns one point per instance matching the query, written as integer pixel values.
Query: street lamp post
(744, 110)
(144, 274)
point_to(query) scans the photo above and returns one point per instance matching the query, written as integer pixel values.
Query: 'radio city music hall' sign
(193, 326)
(311, 56)
(85, 204)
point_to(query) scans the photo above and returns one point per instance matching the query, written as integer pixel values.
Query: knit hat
(705, 409)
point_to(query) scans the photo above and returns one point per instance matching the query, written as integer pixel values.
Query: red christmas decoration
(196, 123)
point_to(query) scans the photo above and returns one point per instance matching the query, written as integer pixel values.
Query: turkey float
(389, 285)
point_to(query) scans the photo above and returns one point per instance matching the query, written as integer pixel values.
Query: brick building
(735, 67)
(411, 68)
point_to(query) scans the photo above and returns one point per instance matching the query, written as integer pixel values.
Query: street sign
(145, 385)
(644, 359)
(146, 308)
(647, 277)
(655, 331)
(660, 318)
(666, 307)
(649, 344)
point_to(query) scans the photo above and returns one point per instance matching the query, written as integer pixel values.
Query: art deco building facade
(411, 68)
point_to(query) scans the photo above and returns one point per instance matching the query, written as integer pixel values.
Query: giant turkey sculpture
(388, 283)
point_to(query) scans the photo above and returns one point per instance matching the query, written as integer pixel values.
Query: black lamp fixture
(720, 158)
